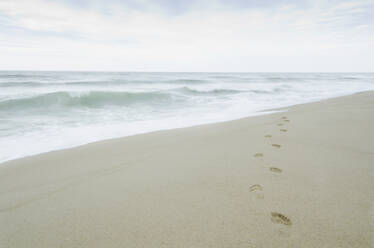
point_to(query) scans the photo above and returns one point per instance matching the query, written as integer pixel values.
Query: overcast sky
(187, 35)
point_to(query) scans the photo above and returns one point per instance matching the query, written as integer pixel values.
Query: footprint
(258, 155)
(275, 169)
(255, 187)
(276, 145)
(284, 118)
(279, 218)
(280, 124)
(283, 130)
(267, 136)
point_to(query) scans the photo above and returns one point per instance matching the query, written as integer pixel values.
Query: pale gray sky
(182, 35)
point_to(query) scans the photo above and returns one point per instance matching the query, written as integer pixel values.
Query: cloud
(187, 35)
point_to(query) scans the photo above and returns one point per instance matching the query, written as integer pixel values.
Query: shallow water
(44, 111)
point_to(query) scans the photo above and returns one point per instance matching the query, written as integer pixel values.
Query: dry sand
(244, 183)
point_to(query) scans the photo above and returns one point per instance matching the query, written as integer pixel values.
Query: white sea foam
(44, 111)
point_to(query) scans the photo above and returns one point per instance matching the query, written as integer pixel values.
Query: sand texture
(308, 182)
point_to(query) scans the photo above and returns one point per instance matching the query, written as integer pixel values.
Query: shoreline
(258, 113)
(301, 178)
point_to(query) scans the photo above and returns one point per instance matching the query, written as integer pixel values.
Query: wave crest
(213, 92)
(90, 99)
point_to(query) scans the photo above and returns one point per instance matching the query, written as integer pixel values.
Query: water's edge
(48, 111)
(259, 113)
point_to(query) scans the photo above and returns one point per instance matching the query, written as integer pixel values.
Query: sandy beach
(303, 177)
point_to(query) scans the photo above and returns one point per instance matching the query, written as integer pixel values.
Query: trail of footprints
(275, 217)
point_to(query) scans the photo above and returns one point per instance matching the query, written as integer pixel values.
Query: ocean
(46, 111)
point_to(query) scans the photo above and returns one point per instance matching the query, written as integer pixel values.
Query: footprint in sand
(267, 136)
(280, 124)
(255, 187)
(283, 130)
(258, 155)
(279, 218)
(284, 118)
(276, 145)
(275, 169)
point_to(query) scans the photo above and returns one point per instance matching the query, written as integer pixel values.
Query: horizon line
(117, 71)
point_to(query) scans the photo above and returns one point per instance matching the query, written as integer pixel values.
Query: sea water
(45, 111)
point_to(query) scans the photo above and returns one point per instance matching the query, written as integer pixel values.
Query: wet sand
(299, 178)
